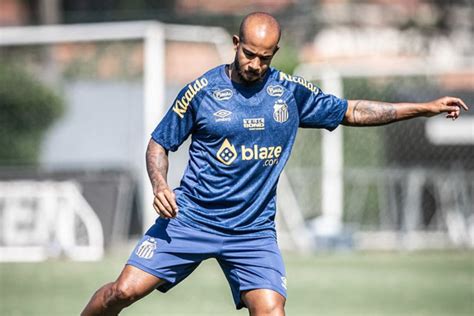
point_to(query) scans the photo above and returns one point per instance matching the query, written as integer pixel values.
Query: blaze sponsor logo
(181, 105)
(280, 111)
(255, 124)
(275, 91)
(260, 153)
(222, 95)
(222, 115)
(227, 153)
(270, 155)
(299, 80)
(146, 249)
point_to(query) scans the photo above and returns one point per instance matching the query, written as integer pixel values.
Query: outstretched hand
(449, 105)
(164, 203)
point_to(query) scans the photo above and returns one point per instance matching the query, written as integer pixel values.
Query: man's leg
(131, 285)
(263, 302)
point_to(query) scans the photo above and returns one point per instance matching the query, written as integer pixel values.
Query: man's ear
(236, 41)
(276, 50)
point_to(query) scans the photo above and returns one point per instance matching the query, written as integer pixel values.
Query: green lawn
(420, 283)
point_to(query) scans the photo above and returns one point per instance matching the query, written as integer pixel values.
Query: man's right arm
(372, 113)
(164, 202)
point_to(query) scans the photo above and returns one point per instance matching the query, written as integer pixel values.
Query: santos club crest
(280, 111)
(147, 248)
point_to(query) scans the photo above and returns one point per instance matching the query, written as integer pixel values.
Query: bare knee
(132, 285)
(121, 294)
(264, 302)
(110, 299)
(270, 308)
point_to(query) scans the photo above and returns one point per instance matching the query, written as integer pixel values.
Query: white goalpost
(154, 36)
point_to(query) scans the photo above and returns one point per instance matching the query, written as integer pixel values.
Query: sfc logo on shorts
(146, 249)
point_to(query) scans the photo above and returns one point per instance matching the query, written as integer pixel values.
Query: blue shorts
(171, 250)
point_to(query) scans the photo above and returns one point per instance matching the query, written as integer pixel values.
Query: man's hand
(450, 105)
(165, 203)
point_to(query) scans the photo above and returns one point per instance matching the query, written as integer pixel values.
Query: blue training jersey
(241, 139)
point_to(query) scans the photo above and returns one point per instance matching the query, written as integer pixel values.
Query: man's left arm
(372, 113)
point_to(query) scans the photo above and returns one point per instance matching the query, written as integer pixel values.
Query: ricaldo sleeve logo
(181, 105)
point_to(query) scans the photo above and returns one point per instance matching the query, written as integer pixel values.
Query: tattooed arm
(164, 202)
(370, 113)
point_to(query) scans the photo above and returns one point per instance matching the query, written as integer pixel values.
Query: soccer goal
(117, 80)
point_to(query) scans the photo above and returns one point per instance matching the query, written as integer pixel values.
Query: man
(243, 119)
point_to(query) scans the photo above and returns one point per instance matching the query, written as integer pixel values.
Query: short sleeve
(322, 111)
(179, 121)
(316, 109)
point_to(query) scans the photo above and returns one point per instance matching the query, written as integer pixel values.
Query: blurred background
(372, 221)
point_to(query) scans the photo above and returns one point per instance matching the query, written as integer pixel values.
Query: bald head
(260, 26)
(255, 47)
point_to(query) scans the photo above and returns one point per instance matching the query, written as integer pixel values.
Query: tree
(27, 109)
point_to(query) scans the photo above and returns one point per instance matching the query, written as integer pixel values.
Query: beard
(241, 73)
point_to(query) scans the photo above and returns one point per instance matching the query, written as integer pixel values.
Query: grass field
(420, 283)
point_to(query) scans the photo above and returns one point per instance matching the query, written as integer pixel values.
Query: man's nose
(255, 63)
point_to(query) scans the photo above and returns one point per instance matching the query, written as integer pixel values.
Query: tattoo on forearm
(157, 166)
(373, 113)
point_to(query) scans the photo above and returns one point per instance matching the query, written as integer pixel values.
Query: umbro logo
(222, 115)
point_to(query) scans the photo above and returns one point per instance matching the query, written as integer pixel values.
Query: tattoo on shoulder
(373, 113)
